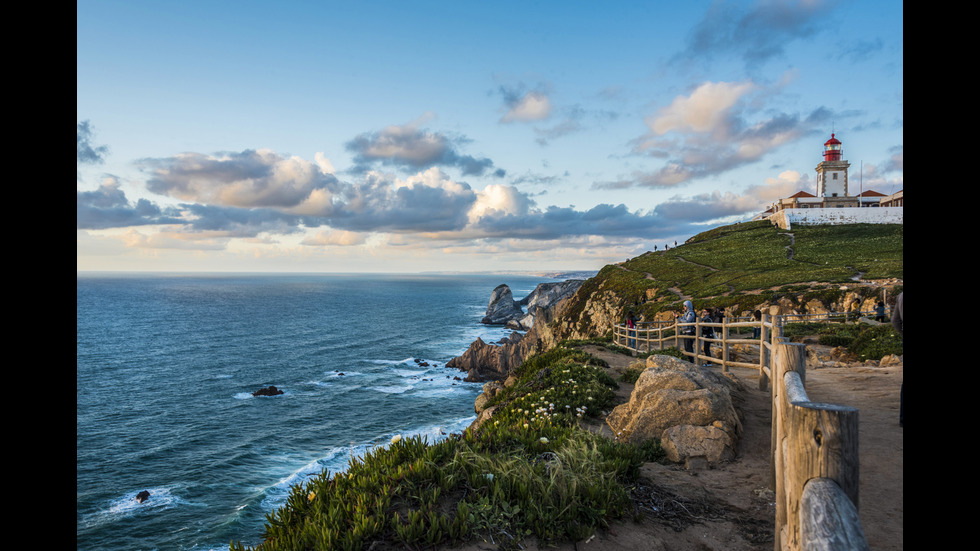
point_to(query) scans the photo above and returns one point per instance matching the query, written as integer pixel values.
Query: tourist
(757, 330)
(898, 322)
(688, 331)
(880, 312)
(630, 330)
(707, 332)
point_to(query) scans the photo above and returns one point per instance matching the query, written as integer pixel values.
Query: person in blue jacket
(688, 332)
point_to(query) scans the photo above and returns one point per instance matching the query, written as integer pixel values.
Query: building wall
(786, 218)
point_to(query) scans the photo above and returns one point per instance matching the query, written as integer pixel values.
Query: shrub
(876, 342)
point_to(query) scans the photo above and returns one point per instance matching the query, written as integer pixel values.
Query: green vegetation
(866, 342)
(876, 342)
(749, 264)
(531, 471)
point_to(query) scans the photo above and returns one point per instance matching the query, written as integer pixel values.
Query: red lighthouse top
(831, 149)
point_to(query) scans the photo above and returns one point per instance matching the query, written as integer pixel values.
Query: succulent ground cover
(529, 472)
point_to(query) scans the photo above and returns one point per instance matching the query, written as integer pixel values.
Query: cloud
(408, 146)
(714, 129)
(531, 106)
(756, 33)
(335, 238)
(108, 207)
(251, 178)
(85, 152)
(262, 195)
(707, 110)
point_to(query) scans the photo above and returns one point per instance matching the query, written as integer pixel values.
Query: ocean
(165, 370)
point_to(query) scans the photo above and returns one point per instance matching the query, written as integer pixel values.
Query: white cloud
(533, 106)
(708, 109)
(340, 238)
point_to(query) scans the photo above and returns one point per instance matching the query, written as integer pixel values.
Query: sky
(393, 136)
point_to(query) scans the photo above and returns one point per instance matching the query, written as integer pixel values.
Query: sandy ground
(731, 507)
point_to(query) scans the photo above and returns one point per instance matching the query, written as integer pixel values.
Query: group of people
(708, 315)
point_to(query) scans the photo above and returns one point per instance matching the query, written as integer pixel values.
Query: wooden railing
(814, 462)
(652, 336)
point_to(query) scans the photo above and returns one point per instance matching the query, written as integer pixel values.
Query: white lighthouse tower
(832, 173)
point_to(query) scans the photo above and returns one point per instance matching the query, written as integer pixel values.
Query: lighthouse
(832, 171)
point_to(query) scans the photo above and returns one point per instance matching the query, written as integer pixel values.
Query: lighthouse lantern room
(832, 172)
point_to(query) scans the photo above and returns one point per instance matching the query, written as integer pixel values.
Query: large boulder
(268, 391)
(688, 408)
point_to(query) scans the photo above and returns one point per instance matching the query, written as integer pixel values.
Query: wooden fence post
(810, 440)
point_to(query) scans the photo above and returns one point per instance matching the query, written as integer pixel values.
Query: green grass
(530, 471)
(729, 265)
(865, 341)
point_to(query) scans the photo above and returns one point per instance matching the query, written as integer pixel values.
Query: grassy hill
(751, 263)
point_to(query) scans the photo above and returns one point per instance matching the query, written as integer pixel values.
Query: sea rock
(268, 391)
(142, 496)
(502, 307)
(487, 362)
(504, 310)
(676, 402)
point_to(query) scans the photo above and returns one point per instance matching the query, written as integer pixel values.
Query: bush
(876, 342)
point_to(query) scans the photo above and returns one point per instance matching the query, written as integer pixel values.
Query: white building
(834, 199)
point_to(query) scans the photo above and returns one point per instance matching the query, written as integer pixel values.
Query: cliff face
(494, 362)
(593, 310)
(504, 310)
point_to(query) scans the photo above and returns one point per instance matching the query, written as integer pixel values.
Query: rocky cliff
(594, 307)
(504, 310)
(493, 362)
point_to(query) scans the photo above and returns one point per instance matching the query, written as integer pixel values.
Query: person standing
(630, 330)
(688, 330)
(707, 332)
(898, 322)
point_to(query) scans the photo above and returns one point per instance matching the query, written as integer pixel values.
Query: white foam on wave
(161, 498)
(393, 389)
(392, 362)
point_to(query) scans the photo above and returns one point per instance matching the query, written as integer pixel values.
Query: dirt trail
(731, 507)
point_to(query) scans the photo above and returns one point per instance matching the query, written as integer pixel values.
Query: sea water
(165, 370)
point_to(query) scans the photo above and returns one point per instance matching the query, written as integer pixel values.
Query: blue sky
(392, 136)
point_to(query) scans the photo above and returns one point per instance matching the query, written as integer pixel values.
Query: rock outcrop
(688, 408)
(142, 496)
(267, 391)
(490, 362)
(502, 307)
(504, 310)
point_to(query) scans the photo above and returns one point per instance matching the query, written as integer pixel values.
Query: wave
(125, 505)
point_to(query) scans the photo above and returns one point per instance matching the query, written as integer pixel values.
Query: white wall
(816, 217)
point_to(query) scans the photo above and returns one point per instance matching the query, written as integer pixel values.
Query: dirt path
(731, 507)
(875, 392)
